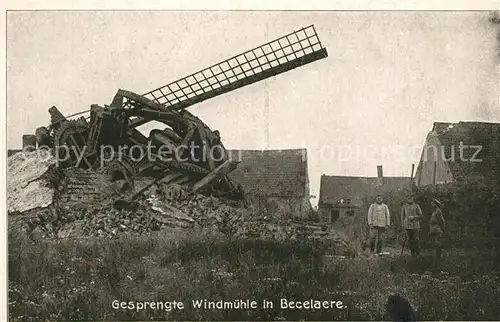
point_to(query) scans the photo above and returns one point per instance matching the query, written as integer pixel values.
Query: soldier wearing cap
(436, 228)
(379, 219)
(411, 213)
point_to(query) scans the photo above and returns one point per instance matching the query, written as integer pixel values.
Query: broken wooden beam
(56, 116)
(220, 171)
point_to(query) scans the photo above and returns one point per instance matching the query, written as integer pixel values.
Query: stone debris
(28, 183)
(193, 190)
(82, 204)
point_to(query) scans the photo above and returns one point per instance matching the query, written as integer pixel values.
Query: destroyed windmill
(116, 125)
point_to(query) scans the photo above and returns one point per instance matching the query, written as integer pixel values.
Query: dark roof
(486, 135)
(335, 188)
(271, 173)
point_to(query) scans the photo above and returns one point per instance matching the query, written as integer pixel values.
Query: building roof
(271, 173)
(335, 188)
(485, 135)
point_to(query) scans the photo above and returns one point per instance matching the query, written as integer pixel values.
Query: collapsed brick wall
(82, 204)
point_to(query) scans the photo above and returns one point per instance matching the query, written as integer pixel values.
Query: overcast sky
(388, 77)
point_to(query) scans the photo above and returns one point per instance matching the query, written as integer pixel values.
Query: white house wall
(433, 151)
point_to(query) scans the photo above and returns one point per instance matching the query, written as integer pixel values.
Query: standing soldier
(436, 228)
(379, 219)
(410, 216)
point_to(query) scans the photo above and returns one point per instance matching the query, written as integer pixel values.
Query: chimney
(380, 175)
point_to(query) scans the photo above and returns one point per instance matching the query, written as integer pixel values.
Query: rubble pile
(109, 222)
(186, 186)
(150, 213)
(79, 203)
(28, 182)
(78, 188)
(231, 218)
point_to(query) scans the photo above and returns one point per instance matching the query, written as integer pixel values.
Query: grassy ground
(79, 280)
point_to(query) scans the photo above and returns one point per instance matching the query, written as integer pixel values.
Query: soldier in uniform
(410, 216)
(379, 219)
(436, 228)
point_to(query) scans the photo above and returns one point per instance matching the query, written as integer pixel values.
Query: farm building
(275, 179)
(454, 151)
(346, 196)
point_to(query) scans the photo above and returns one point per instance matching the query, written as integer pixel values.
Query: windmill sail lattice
(280, 55)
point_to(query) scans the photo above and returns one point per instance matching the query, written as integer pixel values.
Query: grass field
(79, 280)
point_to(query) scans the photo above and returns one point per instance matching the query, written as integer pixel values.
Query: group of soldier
(379, 220)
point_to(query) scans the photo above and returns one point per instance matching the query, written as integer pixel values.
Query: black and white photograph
(253, 165)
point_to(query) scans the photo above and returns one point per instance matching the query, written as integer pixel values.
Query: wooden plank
(78, 153)
(223, 169)
(185, 143)
(206, 153)
(172, 176)
(122, 93)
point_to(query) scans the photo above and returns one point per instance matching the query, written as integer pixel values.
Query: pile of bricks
(82, 205)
